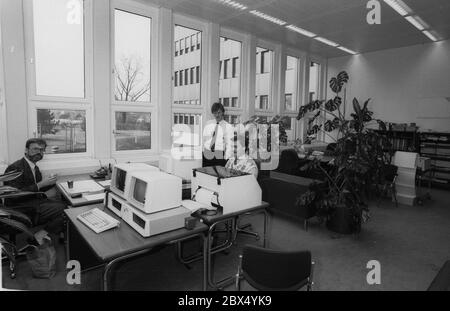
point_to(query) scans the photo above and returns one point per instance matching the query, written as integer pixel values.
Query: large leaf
(336, 83)
(14, 224)
(331, 125)
(314, 117)
(333, 104)
(357, 108)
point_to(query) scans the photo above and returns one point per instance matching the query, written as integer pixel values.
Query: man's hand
(51, 181)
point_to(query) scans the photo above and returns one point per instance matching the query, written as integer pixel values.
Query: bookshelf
(402, 140)
(436, 146)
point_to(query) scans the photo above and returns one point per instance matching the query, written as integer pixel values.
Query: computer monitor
(180, 166)
(152, 192)
(120, 175)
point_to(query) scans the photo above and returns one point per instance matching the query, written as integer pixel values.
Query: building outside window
(291, 83)
(230, 85)
(263, 78)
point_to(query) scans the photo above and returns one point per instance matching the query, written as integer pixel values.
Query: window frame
(36, 101)
(184, 21)
(31, 64)
(245, 44)
(153, 134)
(298, 100)
(145, 107)
(272, 97)
(32, 129)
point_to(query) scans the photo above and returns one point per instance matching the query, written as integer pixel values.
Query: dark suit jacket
(24, 182)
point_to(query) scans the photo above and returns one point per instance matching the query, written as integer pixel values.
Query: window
(193, 39)
(220, 70)
(314, 81)
(263, 78)
(197, 71)
(291, 83)
(132, 130)
(181, 46)
(176, 78)
(234, 102)
(266, 60)
(199, 40)
(63, 130)
(132, 57)
(186, 77)
(288, 101)
(226, 102)
(232, 119)
(230, 85)
(188, 44)
(188, 65)
(235, 67)
(225, 68)
(177, 47)
(193, 121)
(58, 49)
(263, 102)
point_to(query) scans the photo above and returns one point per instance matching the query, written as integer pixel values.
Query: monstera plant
(359, 160)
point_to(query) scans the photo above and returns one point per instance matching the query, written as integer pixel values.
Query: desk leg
(205, 263)
(110, 265)
(266, 224)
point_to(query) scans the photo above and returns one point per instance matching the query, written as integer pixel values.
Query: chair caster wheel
(12, 275)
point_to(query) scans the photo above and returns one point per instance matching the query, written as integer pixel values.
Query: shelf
(435, 146)
(434, 156)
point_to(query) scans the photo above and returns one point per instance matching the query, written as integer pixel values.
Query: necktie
(213, 140)
(37, 174)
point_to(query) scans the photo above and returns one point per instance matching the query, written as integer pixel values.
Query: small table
(212, 222)
(79, 201)
(123, 242)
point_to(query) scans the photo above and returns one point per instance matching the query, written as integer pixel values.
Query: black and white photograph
(216, 148)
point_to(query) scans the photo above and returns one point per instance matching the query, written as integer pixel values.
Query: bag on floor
(42, 260)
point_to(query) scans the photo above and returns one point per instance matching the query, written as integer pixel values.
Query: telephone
(102, 172)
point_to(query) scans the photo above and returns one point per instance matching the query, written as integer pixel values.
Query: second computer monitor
(152, 192)
(121, 175)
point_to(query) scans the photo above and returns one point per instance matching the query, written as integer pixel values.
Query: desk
(122, 243)
(212, 222)
(75, 202)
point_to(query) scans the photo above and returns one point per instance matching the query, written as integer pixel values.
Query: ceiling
(342, 21)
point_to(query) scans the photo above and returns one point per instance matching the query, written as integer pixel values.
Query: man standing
(217, 134)
(42, 211)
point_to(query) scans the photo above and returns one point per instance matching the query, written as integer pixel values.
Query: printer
(226, 189)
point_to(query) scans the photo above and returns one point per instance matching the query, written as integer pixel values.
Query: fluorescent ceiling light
(399, 6)
(347, 50)
(233, 4)
(416, 22)
(301, 31)
(326, 41)
(269, 18)
(430, 35)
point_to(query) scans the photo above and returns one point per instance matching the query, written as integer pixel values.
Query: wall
(410, 84)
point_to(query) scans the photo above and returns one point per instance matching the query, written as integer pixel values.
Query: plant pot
(341, 221)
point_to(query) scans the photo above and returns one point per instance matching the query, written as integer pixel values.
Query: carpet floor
(411, 243)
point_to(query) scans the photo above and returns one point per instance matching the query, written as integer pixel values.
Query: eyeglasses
(37, 149)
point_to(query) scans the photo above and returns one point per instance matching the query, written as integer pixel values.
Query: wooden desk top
(209, 220)
(124, 239)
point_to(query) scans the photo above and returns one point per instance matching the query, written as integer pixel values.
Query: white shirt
(224, 136)
(32, 166)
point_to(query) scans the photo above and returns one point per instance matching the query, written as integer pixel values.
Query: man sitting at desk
(42, 211)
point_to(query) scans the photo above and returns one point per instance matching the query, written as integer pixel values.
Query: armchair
(13, 222)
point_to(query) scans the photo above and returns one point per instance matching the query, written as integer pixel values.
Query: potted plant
(359, 159)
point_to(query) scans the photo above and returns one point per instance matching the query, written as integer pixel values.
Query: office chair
(388, 183)
(272, 270)
(22, 225)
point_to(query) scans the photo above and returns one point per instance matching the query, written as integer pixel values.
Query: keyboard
(98, 220)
